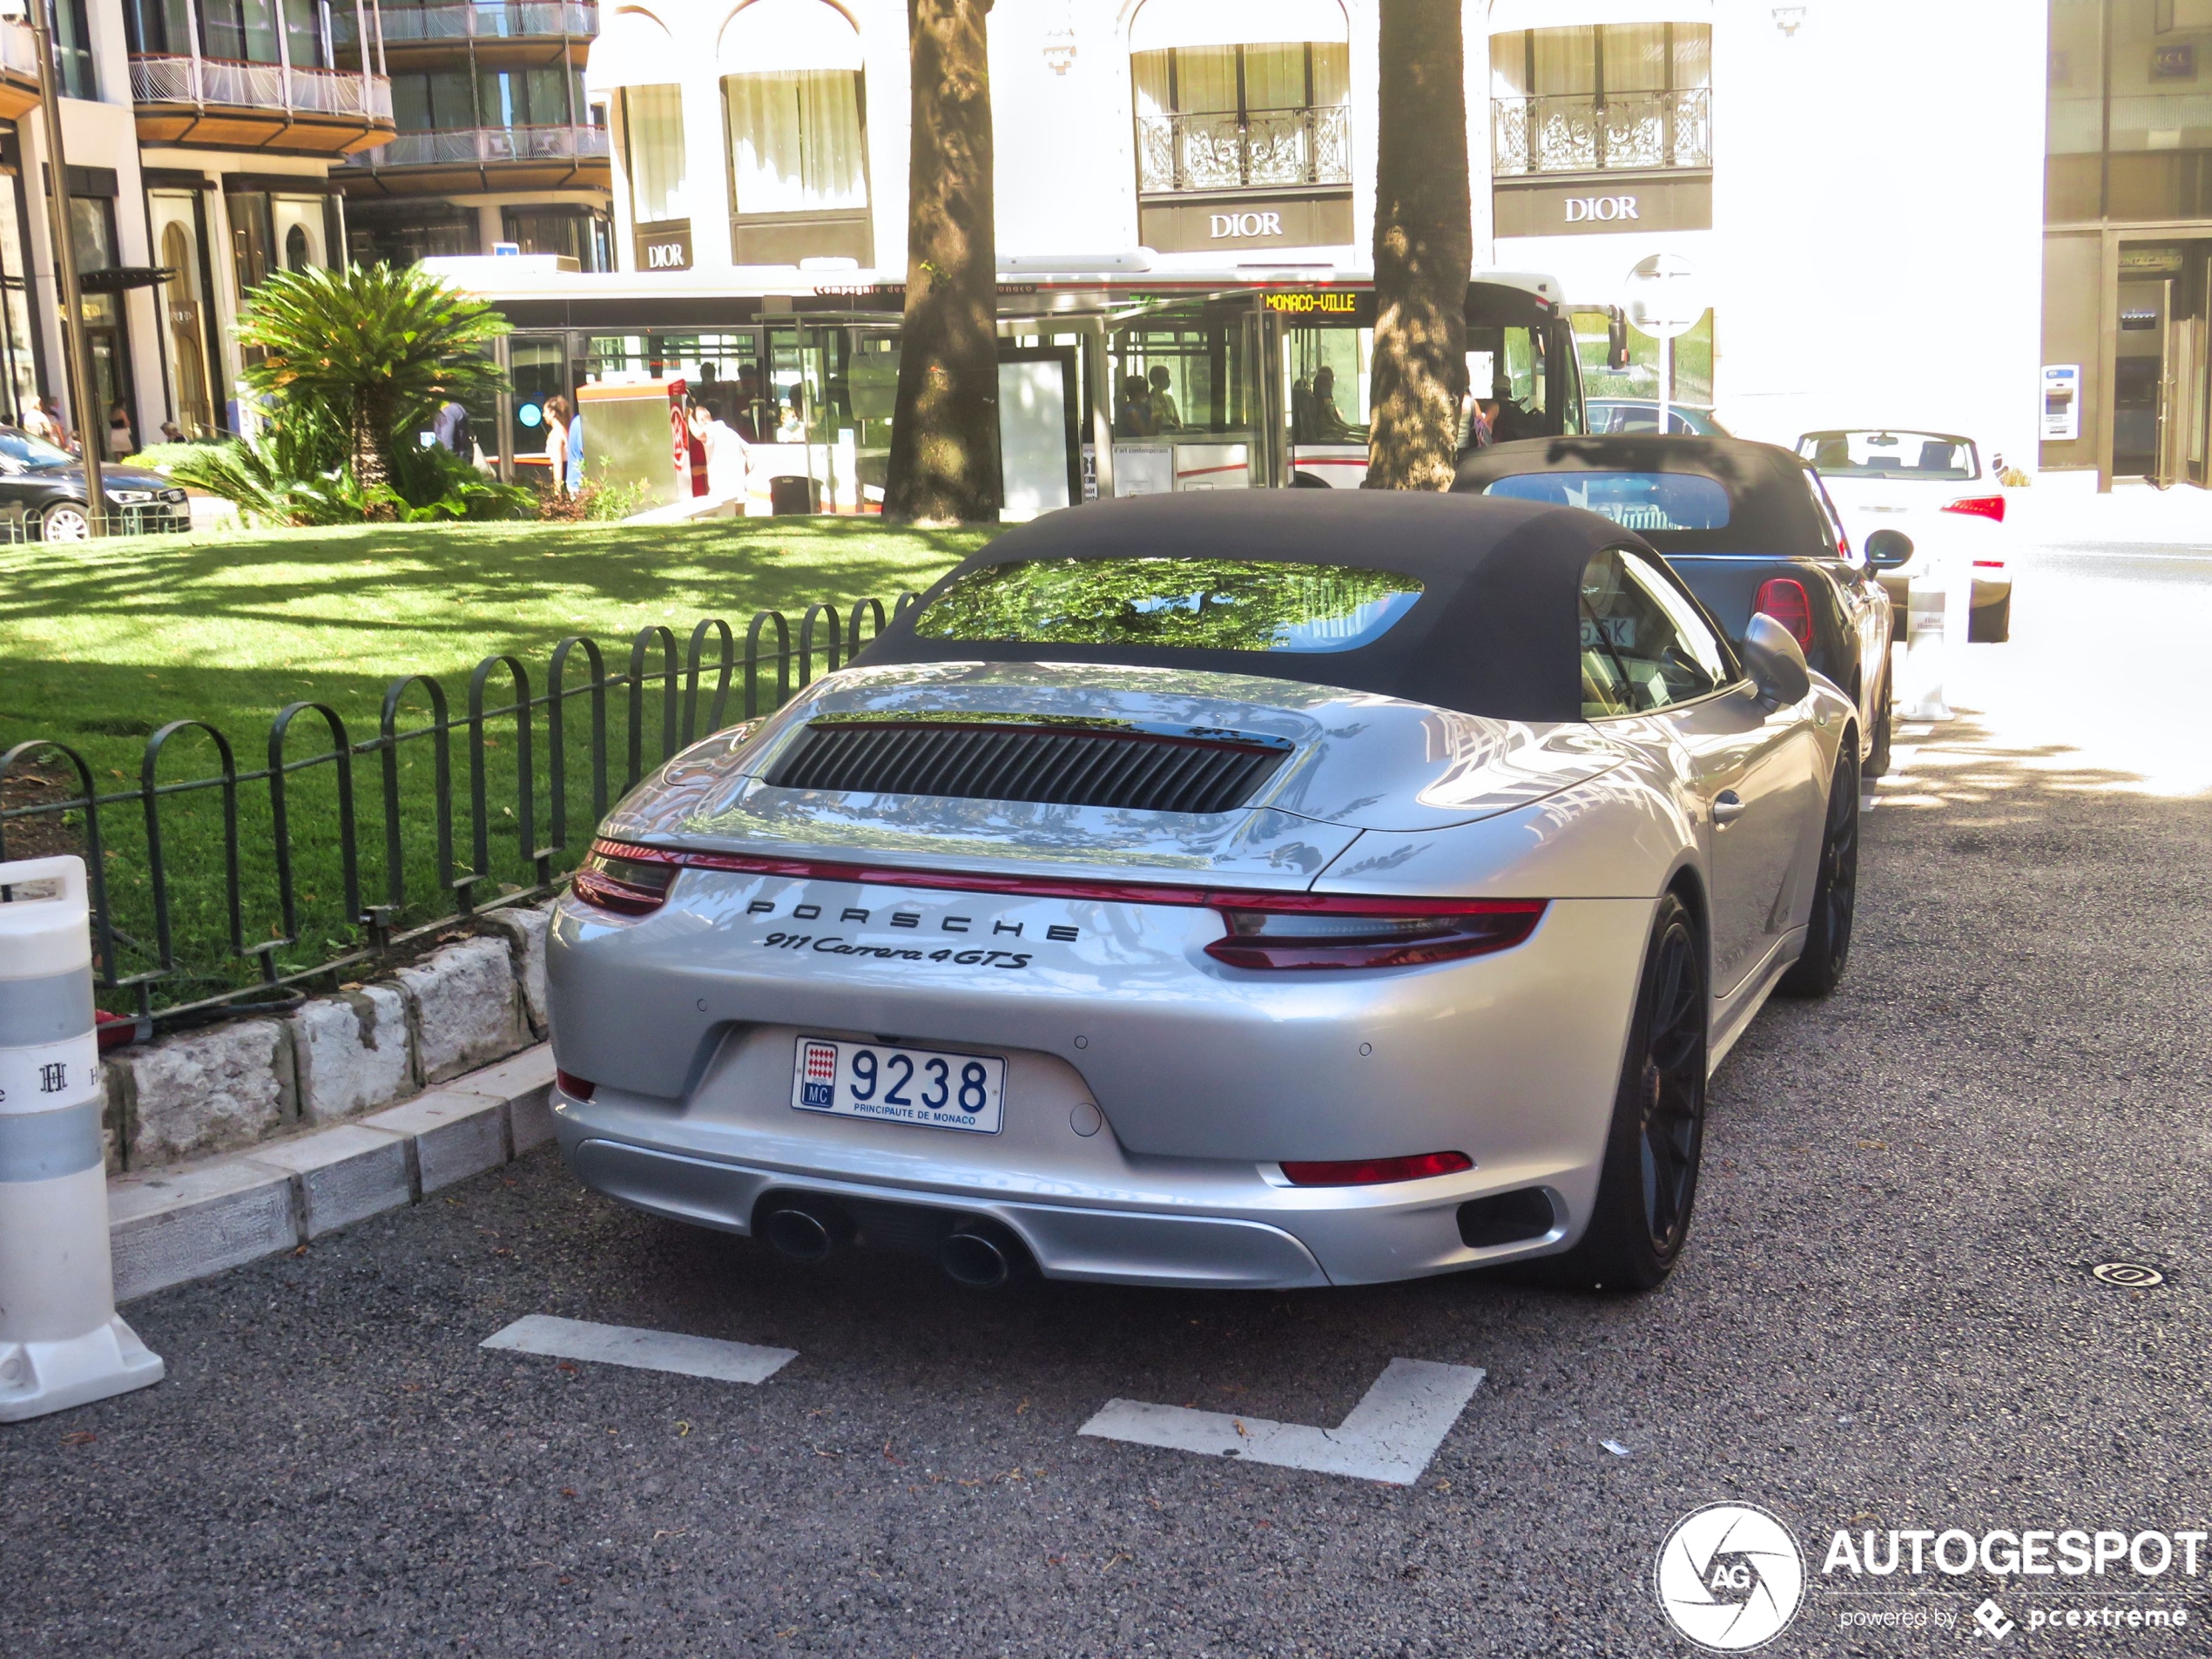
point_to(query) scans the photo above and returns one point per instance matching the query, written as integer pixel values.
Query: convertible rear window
(1635, 501)
(1194, 603)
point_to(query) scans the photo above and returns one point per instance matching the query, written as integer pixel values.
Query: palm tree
(380, 347)
(1424, 248)
(944, 467)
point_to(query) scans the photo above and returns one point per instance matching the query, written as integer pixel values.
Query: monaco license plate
(900, 1085)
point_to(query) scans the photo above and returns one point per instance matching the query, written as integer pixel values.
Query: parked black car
(43, 496)
(1747, 525)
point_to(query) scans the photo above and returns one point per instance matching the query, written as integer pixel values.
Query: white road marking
(622, 1344)
(1391, 1434)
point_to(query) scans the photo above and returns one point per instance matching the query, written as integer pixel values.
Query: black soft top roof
(1495, 632)
(1770, 508)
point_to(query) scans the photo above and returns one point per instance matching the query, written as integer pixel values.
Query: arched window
(795, 110)
(635, 60)
(1241, 94)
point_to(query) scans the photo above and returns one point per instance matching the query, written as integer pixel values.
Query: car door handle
(1728, 806)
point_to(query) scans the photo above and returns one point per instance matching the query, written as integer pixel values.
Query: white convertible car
(1267, 890)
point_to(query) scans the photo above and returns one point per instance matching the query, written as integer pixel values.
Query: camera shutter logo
(1731, 1577)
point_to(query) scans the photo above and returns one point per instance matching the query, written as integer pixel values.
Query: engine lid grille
(1066, 765)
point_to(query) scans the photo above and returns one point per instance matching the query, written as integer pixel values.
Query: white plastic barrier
(1926, 615)
(61, 1343)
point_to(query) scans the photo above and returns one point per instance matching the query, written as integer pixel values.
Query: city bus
(1114, 381)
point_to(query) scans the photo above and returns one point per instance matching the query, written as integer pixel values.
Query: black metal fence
(240, 884)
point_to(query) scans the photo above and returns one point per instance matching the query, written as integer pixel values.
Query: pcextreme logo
(1729, 1577)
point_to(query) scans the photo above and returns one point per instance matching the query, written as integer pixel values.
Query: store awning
(122, 278)
(775, 37)
(633, 50)
(1163, 23)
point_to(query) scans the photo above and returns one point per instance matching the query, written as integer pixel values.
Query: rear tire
(1877, 753)
(1649, 1182)
(1991, 625)
(1834, 893)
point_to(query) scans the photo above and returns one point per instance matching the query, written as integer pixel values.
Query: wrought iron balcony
(480, 146)
(1573, 133)
(344, 94)
(487, 20)
(1260, 149)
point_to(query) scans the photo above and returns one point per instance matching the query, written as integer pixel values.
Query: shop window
(652, 122)
(18, 355)
(794, 110)
(1267, 111)
(190, 344)
(300, 225)
(1603, 97)
(404, 236)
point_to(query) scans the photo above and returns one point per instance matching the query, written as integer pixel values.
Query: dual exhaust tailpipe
(973, 1252)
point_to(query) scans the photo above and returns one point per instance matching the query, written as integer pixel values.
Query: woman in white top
(556, 443)
(728, 456)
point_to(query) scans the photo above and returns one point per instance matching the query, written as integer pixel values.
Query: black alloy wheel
(1834, 893)
(1649, 1183)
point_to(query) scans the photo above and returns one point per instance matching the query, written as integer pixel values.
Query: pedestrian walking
(556, 442)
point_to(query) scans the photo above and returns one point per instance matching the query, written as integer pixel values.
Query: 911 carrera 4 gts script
(831, 945)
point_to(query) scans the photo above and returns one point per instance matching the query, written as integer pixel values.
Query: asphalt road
(1885, 1319)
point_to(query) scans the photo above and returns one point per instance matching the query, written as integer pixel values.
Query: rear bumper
(1197, 1081)
(1196, 1240)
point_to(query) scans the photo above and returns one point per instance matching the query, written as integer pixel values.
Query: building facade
(210, 142)
(1817, 163)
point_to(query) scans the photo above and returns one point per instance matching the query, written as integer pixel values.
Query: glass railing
(161, 79)
(505, 20)
(1258, 149)
(1577, 133)
(453, 146)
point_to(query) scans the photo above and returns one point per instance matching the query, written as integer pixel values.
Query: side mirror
(1888, 550)
(1778, 666)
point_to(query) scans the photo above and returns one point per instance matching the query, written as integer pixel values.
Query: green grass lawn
(104, 643)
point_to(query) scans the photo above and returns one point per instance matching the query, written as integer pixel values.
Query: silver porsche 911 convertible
(1247, 891)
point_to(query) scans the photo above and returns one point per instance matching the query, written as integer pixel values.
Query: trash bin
(794, 494)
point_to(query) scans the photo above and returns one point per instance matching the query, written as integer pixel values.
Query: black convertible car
(43, 496)
(1748, 527)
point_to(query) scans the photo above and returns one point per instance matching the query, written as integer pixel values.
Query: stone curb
(190, 1221)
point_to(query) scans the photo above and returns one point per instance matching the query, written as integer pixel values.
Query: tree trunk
(1424, 248)
(372, 446)
(944, 464)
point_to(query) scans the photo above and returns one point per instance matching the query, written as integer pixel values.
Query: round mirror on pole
(1663, 297)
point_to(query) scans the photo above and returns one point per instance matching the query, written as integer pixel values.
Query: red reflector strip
(574, 1087)
(1989, 564)
(1023, 886)
(1375, 1172)
(1979, 507)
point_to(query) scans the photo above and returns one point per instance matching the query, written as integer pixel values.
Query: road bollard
(61, 1343)
(1925, 612)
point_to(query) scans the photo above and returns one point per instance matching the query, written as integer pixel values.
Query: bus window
(1326, 374)
(1180, 372)
(1520, 383)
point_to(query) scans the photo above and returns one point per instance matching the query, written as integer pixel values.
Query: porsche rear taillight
(1784, 599)
(608, 879)
(1266, 930)
(1979, 507)
(1375, 1172)
(1321, 930)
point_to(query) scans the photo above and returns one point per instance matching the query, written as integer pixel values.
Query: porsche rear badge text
(831, 945)
(1059, 932)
